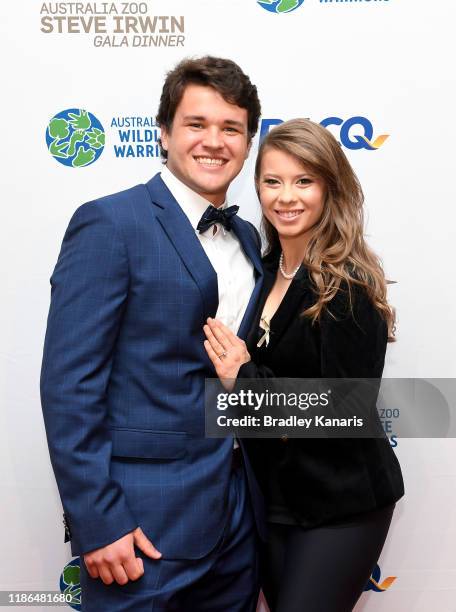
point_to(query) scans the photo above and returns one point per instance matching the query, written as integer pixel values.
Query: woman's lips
(288, 215)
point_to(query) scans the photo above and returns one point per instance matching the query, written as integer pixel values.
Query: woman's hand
(226, 351)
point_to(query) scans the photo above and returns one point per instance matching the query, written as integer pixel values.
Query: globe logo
(75, 138)
(280, 6)
(70, 583)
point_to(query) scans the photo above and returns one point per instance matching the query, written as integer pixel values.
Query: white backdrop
(389, 61)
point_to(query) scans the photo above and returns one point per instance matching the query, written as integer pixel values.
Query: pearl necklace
(282, 271)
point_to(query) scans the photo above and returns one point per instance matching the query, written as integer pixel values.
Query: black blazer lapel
(298, 294)
(183, 237)
(293, 303)
(252, 334)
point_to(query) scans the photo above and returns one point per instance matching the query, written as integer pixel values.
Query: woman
(323, 314)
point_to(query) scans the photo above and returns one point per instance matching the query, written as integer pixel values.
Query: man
(161, 515)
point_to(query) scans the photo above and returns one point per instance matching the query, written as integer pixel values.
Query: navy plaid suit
(123, 376)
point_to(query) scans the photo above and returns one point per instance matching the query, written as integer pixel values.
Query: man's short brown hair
(223, 75)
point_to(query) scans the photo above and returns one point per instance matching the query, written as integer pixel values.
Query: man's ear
(164, 137)
(249, 146)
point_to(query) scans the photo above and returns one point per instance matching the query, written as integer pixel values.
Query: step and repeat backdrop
(80, 88)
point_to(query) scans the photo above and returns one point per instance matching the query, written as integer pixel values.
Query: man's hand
(117, 561)
(226, 351)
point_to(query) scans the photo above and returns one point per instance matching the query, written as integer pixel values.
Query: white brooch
(267, 329)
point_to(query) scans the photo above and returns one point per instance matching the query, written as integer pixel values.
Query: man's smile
(210, 161)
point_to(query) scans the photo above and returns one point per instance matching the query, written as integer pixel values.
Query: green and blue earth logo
(70, 583)
(75, 138)
(280, 6)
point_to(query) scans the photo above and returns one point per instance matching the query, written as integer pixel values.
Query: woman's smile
(288, 215)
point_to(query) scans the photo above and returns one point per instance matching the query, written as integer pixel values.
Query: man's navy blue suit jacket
(123, 375)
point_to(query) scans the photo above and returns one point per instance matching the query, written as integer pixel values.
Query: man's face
(208, 142)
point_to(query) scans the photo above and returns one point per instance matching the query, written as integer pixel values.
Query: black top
(313, 482)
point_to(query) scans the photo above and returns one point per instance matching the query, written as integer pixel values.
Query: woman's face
(291, 197)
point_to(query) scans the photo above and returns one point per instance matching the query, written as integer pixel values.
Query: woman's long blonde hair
(337, 250)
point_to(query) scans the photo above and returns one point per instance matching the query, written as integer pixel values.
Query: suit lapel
(245, 236)
(182, 235)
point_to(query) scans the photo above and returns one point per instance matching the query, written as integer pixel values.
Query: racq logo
(374, 584)
(353, 133)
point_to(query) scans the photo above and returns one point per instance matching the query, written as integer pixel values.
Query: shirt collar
(191, 202)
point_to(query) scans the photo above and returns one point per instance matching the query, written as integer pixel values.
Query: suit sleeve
(89, 291)
(252, 370)
(353, 346)
(353, 337)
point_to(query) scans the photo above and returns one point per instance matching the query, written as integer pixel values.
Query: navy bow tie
(214, 215)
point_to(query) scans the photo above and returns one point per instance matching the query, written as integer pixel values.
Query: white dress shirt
(235, 273)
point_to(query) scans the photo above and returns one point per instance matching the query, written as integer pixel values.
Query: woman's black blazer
(324, 480)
